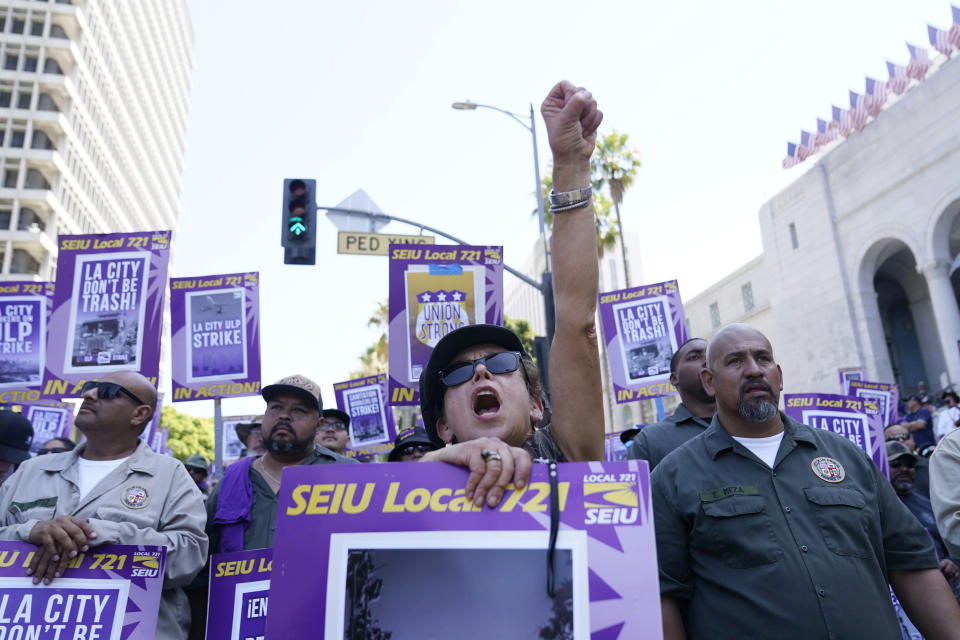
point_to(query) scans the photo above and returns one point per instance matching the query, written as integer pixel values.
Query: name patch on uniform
(135, 497)
(828, 469)
(24, 506)
(712, 495)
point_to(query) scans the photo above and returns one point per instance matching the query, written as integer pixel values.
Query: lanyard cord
(554, 527)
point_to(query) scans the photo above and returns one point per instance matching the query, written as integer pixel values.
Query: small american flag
(955, 28)
(840, 122)
(825, 132)
(940, 40)
(791, 158)
(858, 112)
(807, 148)
(919, 62)
(875, 97)
(898, 78)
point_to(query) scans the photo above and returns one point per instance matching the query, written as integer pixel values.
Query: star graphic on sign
(441, 296)
(457, 296)
(425, 296)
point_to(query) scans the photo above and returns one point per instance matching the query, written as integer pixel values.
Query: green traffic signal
(297, 227)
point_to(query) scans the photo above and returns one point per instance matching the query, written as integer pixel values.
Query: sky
(357, 96)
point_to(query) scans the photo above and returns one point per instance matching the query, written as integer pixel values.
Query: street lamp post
(546, 278)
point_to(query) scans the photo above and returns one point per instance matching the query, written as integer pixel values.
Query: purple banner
(50, 420)
(24, 315)
(239, 586)
(642, 328)
(435, 289)
(371, 421)
(614, 448)
(847, 375)
(215, 324)
(112, 591)
(856, 419)
(378, 534)
(107, 309)
(884, 394)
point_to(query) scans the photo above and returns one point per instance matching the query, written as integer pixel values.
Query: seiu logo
(145, 566)
(610, 503)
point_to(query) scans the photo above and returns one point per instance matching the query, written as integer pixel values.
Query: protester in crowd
(903, 465)
(919, 422)
(691, 417)
(250, 434)
(112, 489)
(57, 445)
(763, 523)
(411, 445)
(242, 510)
(334, 431)
(198, 468)
(948, 418)
(945, 490)
(16, 435)
(899, 433)
(480, 391)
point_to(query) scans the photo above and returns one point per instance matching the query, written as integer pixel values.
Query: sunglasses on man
(496, 363)
(898, 437)
(335, 425)
(409, 449)
(44, 452)
(108, 390)
(908, 463)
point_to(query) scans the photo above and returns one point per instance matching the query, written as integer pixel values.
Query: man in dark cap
(198, 467)
(411, 445)
(242, 511)
(480, 391)
(16, 434)
(334, 431)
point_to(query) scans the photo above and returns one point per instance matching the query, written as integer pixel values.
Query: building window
(794, 242)
(51, 66)
(5, 216)
(41, 141)
(747, 292)
(5, 98)
(23, 100)
(10, 62)
(56, 31)
(36, 28)
(35, 180)
(46, 103)
(18, 25)
(10, 179)
(16, 139)
(30, 63)
(715, 315)
(23, 262)
(29, 218)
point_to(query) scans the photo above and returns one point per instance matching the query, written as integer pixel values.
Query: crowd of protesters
(765, 527)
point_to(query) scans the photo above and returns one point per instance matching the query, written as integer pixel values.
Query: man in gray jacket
(110, 490)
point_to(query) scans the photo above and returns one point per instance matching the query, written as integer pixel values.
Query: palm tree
(615, 165)
(374, 359)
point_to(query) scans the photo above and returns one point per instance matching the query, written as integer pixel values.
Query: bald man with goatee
(112, 489)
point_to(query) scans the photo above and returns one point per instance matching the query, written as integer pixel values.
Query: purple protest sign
(371, 421)
(24, 314)
(857, 419)
(435, 289)
(215, 324)
(107, 309)
(111, 591)
(642, 327)
(848, 374)
(50, 420)
(378, 533)
(884, 394)
(239, 586)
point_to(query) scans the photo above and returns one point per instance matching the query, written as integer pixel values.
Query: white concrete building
(93, 117)
(861, 254)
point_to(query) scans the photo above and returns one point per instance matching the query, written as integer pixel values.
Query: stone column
(946, 312)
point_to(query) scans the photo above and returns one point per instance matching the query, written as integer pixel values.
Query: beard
(902, 484)
(758, 410)
(287, 446)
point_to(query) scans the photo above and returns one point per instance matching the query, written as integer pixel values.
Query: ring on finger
(489, 455)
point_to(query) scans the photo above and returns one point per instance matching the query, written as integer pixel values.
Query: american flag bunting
(791, 159)
(955, 27)
(825, 133)
(940, 40)
(898, 78)
(919, 62)
(858, 112)
(875, 97)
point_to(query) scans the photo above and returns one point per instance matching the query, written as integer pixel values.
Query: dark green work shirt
(782, 553)
(654, 442)
(263, 514)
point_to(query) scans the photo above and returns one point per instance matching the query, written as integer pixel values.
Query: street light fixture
(546, 281)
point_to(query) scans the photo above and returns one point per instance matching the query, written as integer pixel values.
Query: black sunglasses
(108, 390)
(909, 463)
(496, 363)
(408, 449)
(898, 437)
(43, 452)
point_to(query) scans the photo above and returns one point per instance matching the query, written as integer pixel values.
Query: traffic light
(299, 232)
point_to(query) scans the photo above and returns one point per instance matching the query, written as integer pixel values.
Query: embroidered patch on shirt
(712, 495)
(828, 469)
(24, 506)
(135, 497)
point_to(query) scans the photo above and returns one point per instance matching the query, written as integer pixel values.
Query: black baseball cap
(410, 436)
(16, 434)
(431, 389)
